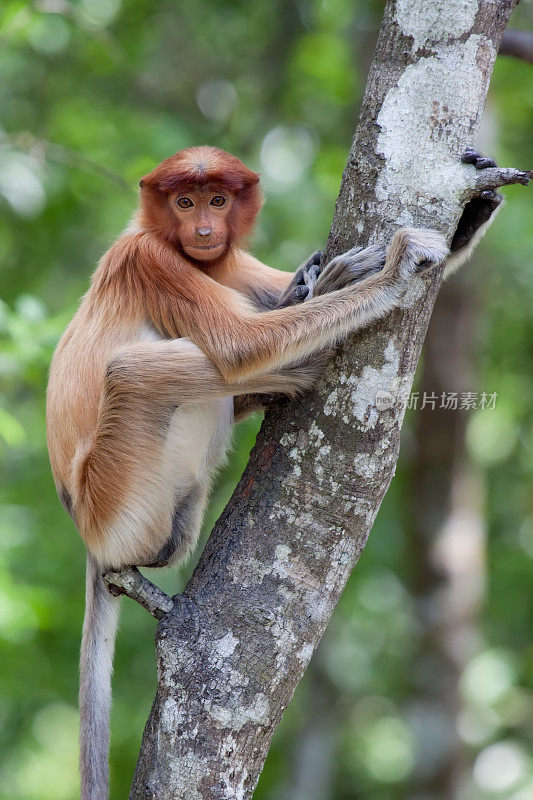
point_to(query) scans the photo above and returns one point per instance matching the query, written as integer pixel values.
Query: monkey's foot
(313, 261)
(349, 268)
(311, 271)
(482, 199)
(246, 404)
(303, 283)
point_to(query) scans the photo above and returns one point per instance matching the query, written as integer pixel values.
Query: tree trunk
(238, 640)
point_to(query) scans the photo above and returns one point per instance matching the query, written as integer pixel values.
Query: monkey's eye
(184, 202)
(218, 201)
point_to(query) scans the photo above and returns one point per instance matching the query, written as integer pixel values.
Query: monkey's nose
(202, 233)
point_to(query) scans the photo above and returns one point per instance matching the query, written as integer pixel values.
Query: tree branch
(231, 654)
(494, 177)
(24, 140)
(133, 584)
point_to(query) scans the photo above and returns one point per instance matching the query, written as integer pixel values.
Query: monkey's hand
(482, 206)
(349, 268)
(478, 212)
(303, 283)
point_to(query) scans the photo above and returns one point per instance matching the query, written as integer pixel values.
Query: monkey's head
(202, 200)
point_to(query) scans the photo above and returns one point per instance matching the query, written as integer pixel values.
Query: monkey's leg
(123, 502)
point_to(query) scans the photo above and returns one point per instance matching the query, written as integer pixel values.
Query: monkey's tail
(96, 667)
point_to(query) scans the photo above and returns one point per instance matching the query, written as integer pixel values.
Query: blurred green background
(422, 686)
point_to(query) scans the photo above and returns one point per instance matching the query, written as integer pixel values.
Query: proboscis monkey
(178, 321)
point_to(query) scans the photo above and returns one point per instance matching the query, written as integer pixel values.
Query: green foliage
(94, 94)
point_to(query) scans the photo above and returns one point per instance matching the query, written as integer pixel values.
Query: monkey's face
(202, 216)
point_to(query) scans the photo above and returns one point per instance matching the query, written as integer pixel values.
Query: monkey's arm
(243, 343)
(341, 272)
(310, 279)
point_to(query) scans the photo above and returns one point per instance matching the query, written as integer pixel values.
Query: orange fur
(141, 290)
(140, 397)
(106, 427)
